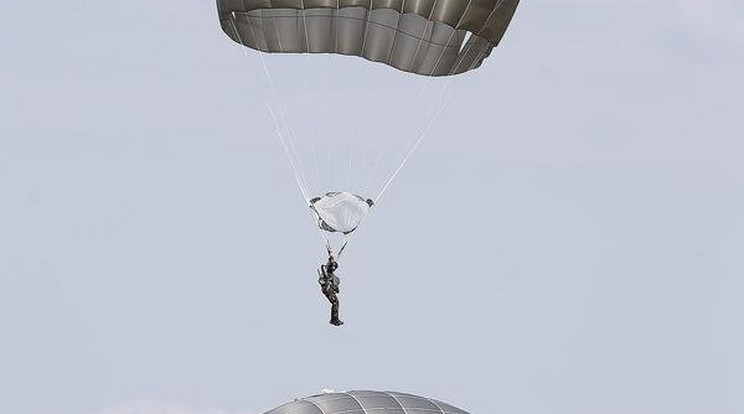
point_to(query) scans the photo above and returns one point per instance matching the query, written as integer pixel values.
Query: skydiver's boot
(335, 321)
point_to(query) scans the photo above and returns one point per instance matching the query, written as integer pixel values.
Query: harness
(328, 281)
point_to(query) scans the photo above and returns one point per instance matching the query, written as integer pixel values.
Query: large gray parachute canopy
(426, 37)
(366, 402)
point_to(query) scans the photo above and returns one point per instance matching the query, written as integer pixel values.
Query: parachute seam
(455, 29)
(304, 24)
(478, 59)
(368, 16)
(278, 36)
(421, 38)
(397, 32)
(364, 410)
(483, 27)
(316, 406)
(489, 46)
(335, 26)
(405, 411)
(437, 404)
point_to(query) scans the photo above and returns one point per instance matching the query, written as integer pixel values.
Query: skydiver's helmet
(332, 265)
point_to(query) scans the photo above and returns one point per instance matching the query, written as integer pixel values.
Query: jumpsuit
(329, 286)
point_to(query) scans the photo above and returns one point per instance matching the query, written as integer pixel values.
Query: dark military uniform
(329, 283)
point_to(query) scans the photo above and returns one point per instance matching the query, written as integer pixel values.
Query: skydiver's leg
(334, 304)
(334, 310)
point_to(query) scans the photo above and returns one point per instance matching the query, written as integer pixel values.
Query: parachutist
(329, 283)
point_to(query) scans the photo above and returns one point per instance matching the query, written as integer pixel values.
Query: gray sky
(568, 239)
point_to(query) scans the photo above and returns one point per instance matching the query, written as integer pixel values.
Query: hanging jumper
(329, 285)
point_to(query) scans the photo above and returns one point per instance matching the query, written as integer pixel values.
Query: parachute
(358, 124)
(340, 211)
(426, 37)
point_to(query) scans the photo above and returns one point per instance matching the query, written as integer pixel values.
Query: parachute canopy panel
(366, 402)
(426, 37)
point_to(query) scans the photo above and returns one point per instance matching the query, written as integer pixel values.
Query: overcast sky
(569, 239)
